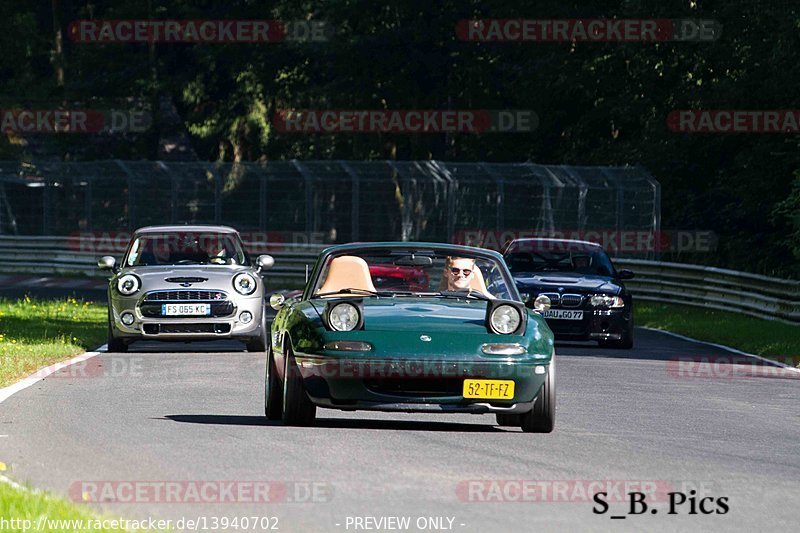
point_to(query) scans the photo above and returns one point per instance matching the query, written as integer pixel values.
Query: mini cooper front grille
(196, 328)
(185, 296)
(154, 309)
(571, 300)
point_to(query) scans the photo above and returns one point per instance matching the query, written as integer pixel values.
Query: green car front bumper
(413, 384)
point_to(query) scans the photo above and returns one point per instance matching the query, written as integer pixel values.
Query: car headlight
(542, 303)
(128, 284)
(343, 317)
(505, 319)
(244, 283)
(606, 300)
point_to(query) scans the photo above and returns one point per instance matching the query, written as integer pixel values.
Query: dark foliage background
(598, 103)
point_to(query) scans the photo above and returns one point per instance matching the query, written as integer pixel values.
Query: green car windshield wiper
(353, 291)
(464, 293)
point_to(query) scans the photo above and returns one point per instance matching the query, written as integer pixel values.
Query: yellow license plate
(489, 389)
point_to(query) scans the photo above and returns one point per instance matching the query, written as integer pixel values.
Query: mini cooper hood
(552, 281)
(431, 314)
(216, 276)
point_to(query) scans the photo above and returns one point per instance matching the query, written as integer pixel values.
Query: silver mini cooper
(186, 283)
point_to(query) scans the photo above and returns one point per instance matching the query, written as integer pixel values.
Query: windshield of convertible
(414, 272)
(557, 256)
(185, 248)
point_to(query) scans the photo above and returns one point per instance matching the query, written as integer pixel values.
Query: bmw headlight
(607, 301)
(244, 283)
(343, 317)
(128, 284)
(505, 319)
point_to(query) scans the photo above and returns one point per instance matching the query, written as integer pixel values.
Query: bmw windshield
(558, 256)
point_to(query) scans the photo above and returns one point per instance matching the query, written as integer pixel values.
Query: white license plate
(186, 309)
(564, 314)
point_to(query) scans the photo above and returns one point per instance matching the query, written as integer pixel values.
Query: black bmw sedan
(587, 297)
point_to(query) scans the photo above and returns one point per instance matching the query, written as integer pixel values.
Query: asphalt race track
(197, 415)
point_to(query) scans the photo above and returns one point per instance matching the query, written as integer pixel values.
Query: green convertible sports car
(411, 327)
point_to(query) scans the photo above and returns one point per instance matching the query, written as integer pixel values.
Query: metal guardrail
(68, 256)
(715, 288)
(695, 285)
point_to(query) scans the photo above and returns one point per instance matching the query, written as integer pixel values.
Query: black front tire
(508, 420)
(259, 343)
(273, 389)
(114, 344)
(542, 418)
(298, 410)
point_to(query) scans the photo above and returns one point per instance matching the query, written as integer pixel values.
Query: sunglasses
(456, 271)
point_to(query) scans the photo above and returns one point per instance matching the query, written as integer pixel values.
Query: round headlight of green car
(343, 317)
(244, 283)
(505, 319)
(128, 284)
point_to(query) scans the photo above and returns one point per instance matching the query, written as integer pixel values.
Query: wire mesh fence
(332, 201)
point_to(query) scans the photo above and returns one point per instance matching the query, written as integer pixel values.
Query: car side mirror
(625, 274)
(265, 262)
(276, 301)
(107, 263)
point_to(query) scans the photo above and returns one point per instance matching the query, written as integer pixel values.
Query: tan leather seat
(347, 272)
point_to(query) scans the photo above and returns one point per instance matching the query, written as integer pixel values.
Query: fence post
(46, 207)
(87, 202)
(262, 200)
(217, 193)
(355, 214)
(309, 195)
(131, 197)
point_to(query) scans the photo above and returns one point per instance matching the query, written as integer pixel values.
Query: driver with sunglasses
(459, 273)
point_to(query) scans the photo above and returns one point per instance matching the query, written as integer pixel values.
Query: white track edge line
(723, 347)
(13, 484)
(7, 392)
(24, 383)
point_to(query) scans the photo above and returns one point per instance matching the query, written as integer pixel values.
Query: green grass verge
(21, 506)
(36, 333)
(767, 338)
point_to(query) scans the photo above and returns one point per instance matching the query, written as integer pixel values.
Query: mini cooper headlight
(607, 301)
(128, 284)
(244, 283)
(343, 317)
(505, 319)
